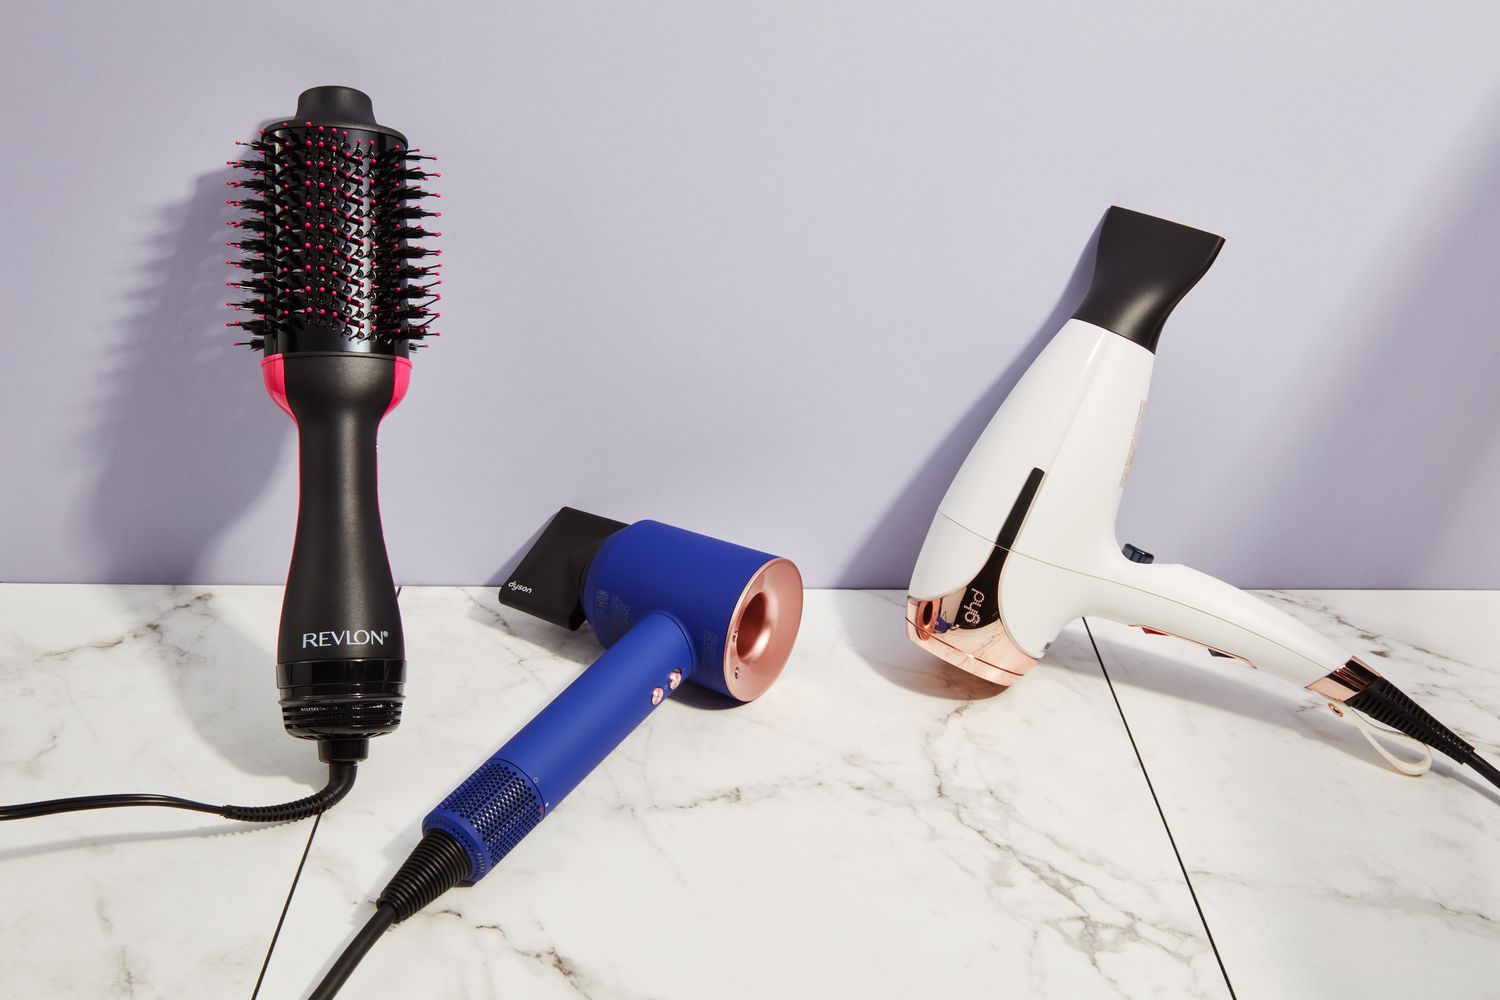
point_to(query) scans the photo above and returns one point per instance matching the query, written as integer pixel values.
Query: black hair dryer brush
(340, 299)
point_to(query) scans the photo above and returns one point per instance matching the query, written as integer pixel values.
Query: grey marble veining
(878, 825)
(153, 689)
(1322, 873)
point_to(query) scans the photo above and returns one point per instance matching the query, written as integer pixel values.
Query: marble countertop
(878, 825)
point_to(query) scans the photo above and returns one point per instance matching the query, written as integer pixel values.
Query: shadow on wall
(881, 639)
(1415, 401)
(186, 436)
(187, 440)
(900, 531)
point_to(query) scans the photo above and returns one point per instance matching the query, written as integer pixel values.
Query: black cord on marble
(1485, 768)
(340, 781)
(1387, 704)
(380, 922)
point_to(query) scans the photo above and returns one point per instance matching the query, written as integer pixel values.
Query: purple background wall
(764, 270)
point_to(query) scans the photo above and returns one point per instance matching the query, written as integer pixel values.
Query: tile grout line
(1202, 918)
(292, 891)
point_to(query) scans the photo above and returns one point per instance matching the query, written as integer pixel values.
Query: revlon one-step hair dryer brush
(340, 299)
(670, 606)
(1024, 541)
(337, 298)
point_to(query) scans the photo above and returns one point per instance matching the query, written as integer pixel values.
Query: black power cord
(1385, 703)
(1486, 770)
(380, 922)
(340, 781)
(437, 864)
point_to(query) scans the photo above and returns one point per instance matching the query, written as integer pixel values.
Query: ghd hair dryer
(671, 606)
(1024, 541)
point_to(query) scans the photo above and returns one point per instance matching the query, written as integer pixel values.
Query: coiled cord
(340, 781)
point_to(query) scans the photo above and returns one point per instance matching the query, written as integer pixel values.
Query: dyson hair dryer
(1024, 541)
(339, 300)
(670, 606)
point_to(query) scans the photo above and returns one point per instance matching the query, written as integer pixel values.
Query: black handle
(340, 653)
(340, 598)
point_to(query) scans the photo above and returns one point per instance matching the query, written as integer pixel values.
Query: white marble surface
(144, 689)
(878, 825)
(1322, 873)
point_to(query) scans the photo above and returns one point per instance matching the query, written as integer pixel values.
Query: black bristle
(256, 223)
(413, 212)
(398, 174)
(329, 235)
(257, 183)
(404, 233)
(412, 253)
(410, 272)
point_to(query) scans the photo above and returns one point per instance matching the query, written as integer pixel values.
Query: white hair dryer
(1024, 541)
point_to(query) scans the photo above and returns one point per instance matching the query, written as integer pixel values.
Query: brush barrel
(504, 800)
(341, 660)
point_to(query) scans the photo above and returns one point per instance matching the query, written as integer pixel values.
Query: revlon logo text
(347, 637)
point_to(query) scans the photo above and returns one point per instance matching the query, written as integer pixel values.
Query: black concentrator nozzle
(548, 583)
(1142, 269)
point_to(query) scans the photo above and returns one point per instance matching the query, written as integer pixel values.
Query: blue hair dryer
(670, 606)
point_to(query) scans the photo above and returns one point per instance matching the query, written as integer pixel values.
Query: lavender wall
(764, 270)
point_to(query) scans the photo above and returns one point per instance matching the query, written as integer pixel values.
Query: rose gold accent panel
(1224, 653)
(1345, 682)
(763, 629)
(986, 652)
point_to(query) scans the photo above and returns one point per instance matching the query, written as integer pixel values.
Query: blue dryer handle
(510, 793)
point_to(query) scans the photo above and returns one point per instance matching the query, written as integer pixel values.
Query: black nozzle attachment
(548, 583)
(1142, 269)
